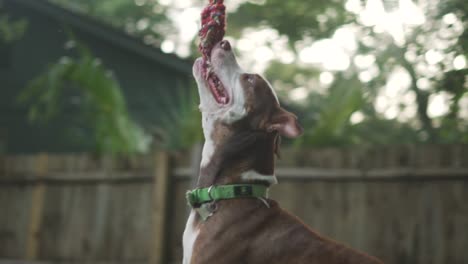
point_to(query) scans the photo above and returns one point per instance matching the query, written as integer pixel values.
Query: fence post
(160, 195)
(37, 206)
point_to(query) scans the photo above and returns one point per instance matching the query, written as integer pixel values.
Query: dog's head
(240, 97)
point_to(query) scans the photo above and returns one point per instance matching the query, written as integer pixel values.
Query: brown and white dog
(242, 123)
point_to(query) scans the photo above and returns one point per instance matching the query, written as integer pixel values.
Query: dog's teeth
(207, 75)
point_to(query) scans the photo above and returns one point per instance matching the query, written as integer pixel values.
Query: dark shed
(146, 74)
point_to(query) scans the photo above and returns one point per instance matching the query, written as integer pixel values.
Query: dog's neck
(235, 154)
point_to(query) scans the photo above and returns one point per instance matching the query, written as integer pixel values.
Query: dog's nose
(225, 45)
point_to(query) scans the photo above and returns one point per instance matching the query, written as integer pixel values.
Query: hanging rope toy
(213, 28)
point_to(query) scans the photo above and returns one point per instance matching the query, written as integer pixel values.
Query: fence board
(37, 205)
(405, 204)
(160, 198)
(14, 220)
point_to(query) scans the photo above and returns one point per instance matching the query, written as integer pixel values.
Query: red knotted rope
(213, 27)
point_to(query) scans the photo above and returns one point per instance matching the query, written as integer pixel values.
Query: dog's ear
(285, 123)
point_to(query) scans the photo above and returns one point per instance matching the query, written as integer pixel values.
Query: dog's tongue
(213, 27)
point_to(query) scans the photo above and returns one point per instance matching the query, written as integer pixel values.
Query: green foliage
(101, 102)
(180, 125)
(326, 115)
(330, 125)
(10, 30)
(460, 8)
(379, 131)
(296, 19)
(326, 112)
(289, 76)
(146, 18)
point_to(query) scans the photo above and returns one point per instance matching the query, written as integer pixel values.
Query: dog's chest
(189, 237)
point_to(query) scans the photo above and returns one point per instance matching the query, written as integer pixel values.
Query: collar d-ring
(209, 193)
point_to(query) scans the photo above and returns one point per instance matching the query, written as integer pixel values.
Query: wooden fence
(405, 204)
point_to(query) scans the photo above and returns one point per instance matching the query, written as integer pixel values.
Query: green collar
(197, 197)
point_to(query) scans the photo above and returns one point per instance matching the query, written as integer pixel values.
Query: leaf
(344, 98)
(103, 107)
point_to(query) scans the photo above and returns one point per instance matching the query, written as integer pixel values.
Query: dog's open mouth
(213, 27)
(215, 85)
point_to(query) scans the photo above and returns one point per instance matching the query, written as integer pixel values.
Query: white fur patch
(237, 109)
(189, 237)
(208, 150)
(209, 146)
(253, 175)
(229, 72)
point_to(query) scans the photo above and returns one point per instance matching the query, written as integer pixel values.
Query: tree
(422, 50)
(417, 53)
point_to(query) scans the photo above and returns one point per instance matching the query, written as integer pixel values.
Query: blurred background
(100, 133)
